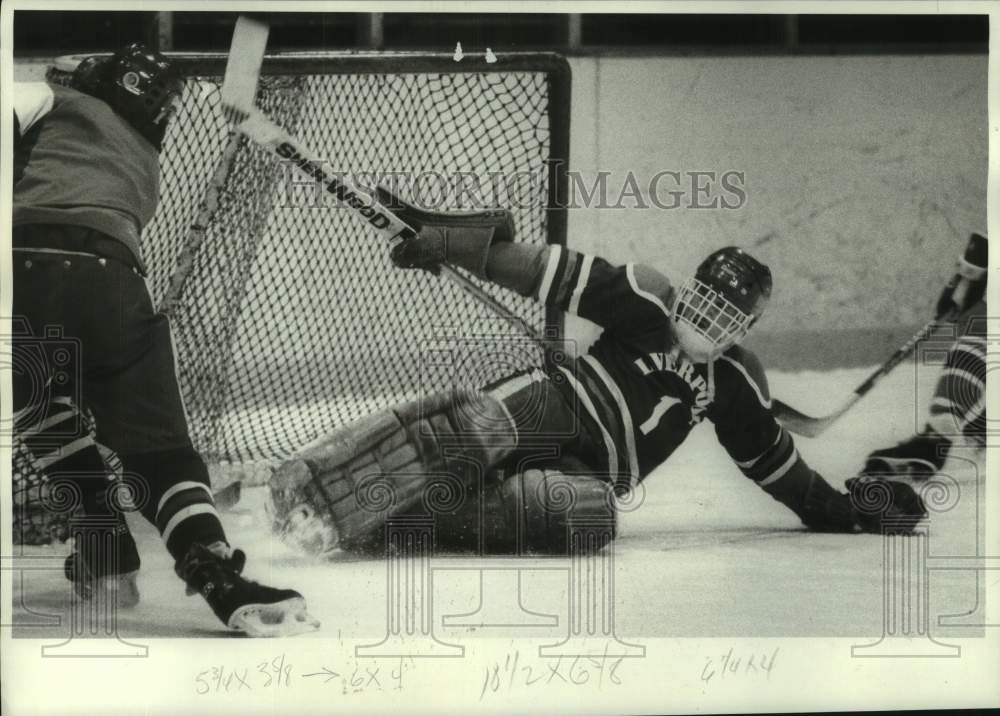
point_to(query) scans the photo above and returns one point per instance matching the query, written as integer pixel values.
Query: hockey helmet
(141, 85)
(714, 309)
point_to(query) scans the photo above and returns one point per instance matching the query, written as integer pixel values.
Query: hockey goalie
(526, 463)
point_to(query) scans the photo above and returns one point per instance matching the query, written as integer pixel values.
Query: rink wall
(863, 177)
(856, 178)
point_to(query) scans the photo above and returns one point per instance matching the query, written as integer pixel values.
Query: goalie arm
(623, 299)
(765, 452)
(628, 298)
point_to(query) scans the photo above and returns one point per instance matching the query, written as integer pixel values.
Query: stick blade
(246, 55)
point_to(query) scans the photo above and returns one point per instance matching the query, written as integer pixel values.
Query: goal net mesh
(291, 321)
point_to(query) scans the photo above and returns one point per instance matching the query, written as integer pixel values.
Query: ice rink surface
(706, 554)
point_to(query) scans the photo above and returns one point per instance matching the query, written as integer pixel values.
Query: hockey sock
(61, 446)
(180, 500)
(959, 404)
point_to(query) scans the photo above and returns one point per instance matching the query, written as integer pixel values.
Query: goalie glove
(881, 505)
(460, 238)
(968, 286)
(869, 505)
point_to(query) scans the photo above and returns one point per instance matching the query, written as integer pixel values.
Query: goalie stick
(802, 424)
(261, 130)
(239, 89)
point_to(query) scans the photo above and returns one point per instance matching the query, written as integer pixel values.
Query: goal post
(287, 316)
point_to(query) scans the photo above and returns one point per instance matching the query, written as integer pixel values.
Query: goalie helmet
(140, 85)
(715, 308)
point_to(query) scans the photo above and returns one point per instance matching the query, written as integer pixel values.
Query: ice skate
(918, 458)
(241, 604)
(92, 566)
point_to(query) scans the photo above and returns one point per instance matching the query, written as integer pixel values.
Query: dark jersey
(77, 162)
(642, 390)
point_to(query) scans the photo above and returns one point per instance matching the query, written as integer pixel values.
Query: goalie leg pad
(421, 456)
(549, 512)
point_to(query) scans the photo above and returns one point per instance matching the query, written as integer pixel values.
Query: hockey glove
(427, 250)
(885, 506)
(460, 238)
(968, 286)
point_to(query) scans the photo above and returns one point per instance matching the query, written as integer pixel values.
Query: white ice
(707, 553)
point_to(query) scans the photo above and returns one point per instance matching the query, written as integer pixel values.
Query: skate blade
(121, 589)
(286, 618)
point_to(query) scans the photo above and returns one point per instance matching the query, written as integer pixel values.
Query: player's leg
(140, 415)
(544, 510)
(554, 488)
(547, 484)
(957, 410)
(445, 456)
(55, 438)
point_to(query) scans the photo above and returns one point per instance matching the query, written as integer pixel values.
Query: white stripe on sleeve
(555, 252)
(780, 472)
(581, 283)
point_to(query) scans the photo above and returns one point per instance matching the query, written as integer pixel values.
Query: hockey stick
(239, 86)
(239, 90)
(198, 229)
(262, 131)
(811, 427)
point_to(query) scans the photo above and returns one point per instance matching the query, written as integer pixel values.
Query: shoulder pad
(652, 285)
(740, 370)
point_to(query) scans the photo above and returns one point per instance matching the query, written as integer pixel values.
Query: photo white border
(811, 674)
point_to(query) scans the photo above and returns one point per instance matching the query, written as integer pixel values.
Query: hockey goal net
(287, 316)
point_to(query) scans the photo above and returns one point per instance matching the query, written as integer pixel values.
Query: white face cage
(710, 316)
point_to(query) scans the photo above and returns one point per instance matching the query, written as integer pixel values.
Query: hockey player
(86, 182)
(668, 358)
(958, 409)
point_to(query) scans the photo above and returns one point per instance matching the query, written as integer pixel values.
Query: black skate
(105, 560)
(241, 604)
(918, 458)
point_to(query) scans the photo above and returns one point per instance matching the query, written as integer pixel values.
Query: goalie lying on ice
(667, 359)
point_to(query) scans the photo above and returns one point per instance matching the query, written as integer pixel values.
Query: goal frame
(555, 68)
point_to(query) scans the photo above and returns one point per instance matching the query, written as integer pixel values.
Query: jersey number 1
(659, 410)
